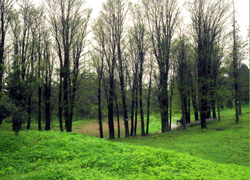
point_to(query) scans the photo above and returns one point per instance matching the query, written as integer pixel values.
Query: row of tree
(136, 52)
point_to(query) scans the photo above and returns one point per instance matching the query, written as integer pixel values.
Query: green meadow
(219, 152)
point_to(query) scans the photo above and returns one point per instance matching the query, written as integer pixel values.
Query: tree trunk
(213, 109)
(132, 110)
(66, 86)
(118, 117)
(39, 108)
(164, 101)
(218, 106)
(2, 43)
(136, 110)
(194, 102)
(149, 95)
(111, 109)
(140, 94)
(124, 104)
(29, 113)
(203, 112)
(235, 67)
(60, 108)
(188, 121)
(99, 109)
(240, 107)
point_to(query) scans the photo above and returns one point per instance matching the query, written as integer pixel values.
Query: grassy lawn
(224, 141)
(219, 152)
(36, 155)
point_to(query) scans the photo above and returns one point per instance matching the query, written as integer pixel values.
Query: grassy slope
(55, 155)
(229, 144)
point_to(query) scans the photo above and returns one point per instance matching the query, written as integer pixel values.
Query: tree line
(55, 59)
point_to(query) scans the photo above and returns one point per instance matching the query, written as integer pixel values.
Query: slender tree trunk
(60, 108)
(184, 110)
(240, 107)
(235, 67)
(171, 100)
(2, 43)
(29, 113)
(140, 96)
(136, 110)
(132, 110)
(164, 101)
(134, 101)
(100, 109)
(111, 109)
(66, 86)
(149, 95)
(118, 116)
(218, 106)
(213, 109)
(188, 108)
(124, 104)
(194, 102)
(39, 108)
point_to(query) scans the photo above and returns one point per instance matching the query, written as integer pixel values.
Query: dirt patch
(92, 129)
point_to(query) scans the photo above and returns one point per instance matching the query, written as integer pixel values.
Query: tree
(48, 58)
(6, 7)
(139, 35)
(69, 21)
(119, 12)
(19, 83)
(35, 29)
(235, 67)
(183, 79)
(98, 64)
(162, 19)
(208, 21)
(133, 81)
(149, 97)
(108, 17)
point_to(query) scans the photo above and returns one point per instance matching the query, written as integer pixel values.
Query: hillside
(54, 155)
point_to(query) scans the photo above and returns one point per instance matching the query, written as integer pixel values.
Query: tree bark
(118, 116)
(140, 95)
(136, 110)
(149, 96)
(29, 113)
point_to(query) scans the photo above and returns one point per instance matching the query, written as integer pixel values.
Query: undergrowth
(55, 155)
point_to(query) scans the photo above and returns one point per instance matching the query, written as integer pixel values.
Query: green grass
(55, 155)
(224, 141)
(7, 126)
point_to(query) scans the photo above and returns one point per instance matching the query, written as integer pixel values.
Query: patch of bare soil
(92, 129)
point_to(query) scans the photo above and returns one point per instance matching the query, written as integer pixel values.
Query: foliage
(224, 141)
(55, 155)
(6, 107)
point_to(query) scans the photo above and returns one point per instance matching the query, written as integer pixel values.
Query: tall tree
(35, 40)
(108, 16)
(6, 7)
(98, 63)
(182, 72)
(48, 59)
(68, 19)
(133, 82)
(162, 19)
(235, 67)
(208, 21)
(120, 11)
(139, 35)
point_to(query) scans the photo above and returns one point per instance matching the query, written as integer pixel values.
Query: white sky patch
(242, 16)
(242, 7)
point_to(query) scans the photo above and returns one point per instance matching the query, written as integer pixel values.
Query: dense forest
(58, 63)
